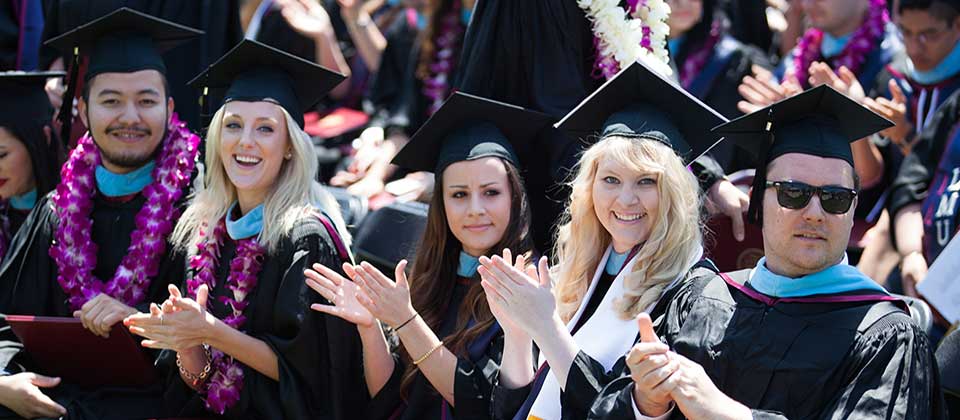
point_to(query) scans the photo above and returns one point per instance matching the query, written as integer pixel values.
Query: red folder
(63, 347)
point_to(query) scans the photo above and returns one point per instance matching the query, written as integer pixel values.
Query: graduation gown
(472, 383)
(390, 80)
(319, 356)
(587, 375)
(801, 358)
(931, 175)
(28, 286)
(716, 85)
(539, 54)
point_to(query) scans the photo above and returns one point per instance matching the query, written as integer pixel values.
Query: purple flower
(74, 252)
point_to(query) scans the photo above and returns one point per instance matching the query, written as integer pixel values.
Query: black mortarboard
(26, 98)
(820, 122)
(123, 41)
(469, 127)
(638, 102)
(254, 72)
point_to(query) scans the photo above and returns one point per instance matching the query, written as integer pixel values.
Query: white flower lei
(621, 37)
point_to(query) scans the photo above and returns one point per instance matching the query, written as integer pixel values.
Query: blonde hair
(674, 243)
(295, 194)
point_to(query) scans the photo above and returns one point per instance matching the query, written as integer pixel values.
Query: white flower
(621, 35)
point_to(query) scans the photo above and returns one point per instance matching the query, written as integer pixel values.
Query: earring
(288, 156)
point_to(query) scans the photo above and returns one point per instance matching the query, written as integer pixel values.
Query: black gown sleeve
(916, 171)
(388, 401)
(615, 399)
(506, 402)
(892, 375)
(27, 273)
(707, 170)
(587, 377)
(318, 356)
(473, 382)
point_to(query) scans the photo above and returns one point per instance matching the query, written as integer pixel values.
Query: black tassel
(65, 115)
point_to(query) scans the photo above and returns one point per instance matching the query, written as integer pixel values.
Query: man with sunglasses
(803, 334)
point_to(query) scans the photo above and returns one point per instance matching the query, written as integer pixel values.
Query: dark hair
(946, 11)
(46, 155)
(436, 10)
(698, 34)
(435, 268)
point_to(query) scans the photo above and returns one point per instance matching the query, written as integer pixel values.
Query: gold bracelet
(424, 357)
(198, 379)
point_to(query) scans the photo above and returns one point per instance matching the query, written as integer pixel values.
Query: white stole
(605, 337)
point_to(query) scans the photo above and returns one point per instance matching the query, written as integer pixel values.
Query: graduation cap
(468, 127)
(32, 103)
(123, 41)
(640, 103)
(254, 72)
(819, 122)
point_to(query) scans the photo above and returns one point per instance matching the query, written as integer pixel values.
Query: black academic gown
(473, 378)
(319, 356)
(586, 377)
(795, 359)
(28, 286)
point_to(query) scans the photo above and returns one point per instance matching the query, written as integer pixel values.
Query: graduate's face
(808, 240)
(253, 146)
(476, 200)
(127, 116)
(16, 169)
(928, 38)
(626, 203)
(837, 17)
(683, 15)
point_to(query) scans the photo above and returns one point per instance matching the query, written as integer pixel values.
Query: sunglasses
(796, 195)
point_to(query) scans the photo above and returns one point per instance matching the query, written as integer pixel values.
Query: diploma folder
(62, 347)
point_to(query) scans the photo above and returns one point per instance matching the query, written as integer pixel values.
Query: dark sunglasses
(796, 195)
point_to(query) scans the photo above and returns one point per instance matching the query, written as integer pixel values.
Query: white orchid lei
(623, 36)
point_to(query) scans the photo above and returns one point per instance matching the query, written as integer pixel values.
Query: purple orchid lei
(73, 249)
(696, 60)
(436, 87)
(853, 55)
(226, 381)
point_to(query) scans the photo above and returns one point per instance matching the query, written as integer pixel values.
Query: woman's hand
(344, 294)
(183, 326)
(307, 17)
(386, 300)
(523, 298)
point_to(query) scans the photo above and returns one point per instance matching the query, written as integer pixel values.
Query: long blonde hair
(295, 193)
(674, 242)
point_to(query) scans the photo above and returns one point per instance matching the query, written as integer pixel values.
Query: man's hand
(651, 368)
(725, 198)
(100, 313)
(697, 396)
(21, 393)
